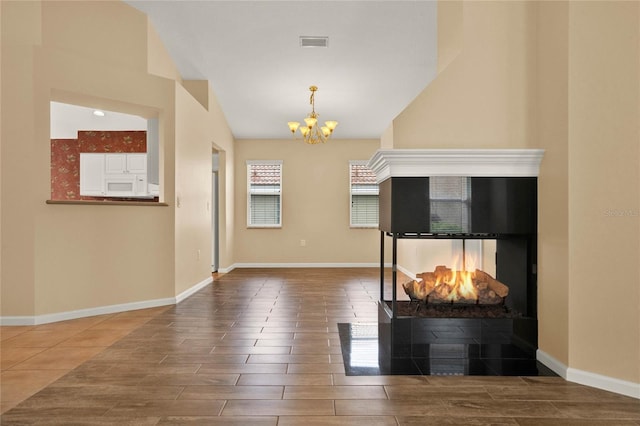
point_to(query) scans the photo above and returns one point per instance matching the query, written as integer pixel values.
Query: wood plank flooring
(261, 347)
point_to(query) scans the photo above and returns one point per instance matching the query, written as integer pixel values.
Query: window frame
(249, 165)
(352, 193)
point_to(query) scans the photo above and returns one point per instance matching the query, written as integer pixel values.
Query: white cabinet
(137, 163)
(113, 175)
(126, 163)
(92, 174)
(115, 163)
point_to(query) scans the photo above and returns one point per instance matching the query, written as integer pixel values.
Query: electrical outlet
(303, 243)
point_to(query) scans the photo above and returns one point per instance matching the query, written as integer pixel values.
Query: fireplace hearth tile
(495, 351)
(518, 367)
(364, 356)
(454, 351)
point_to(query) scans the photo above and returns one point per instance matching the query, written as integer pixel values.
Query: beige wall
(604, 181)
(562, 76)
(58, 258)
(553, 183)
(315, 204)
(218, 133)
(193, 192)
(386, 140)
(0, 164)
(200, 127)
(17, 257)
(158, 60)
(482, 98)
(450, 32)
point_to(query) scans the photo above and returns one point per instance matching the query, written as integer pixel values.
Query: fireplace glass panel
(429, 253)
(450, 204)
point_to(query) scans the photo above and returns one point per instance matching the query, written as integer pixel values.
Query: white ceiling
(381, 55)
(67, 119)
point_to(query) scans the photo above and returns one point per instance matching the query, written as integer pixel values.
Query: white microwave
(121, 186)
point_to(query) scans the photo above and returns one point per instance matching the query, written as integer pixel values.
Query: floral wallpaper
(116, 141)
(65, 157)
(65, 169)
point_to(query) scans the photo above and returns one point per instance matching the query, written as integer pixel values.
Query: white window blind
(450, 202)
(264, 189)
(364, 195)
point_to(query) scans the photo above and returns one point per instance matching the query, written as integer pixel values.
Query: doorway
(215, 161)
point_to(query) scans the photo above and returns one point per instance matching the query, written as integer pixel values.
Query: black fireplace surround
(503, 209)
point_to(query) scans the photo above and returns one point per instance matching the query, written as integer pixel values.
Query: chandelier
(313, 133)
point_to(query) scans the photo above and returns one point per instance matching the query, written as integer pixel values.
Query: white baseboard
(102, 310)
(82, 313)
(188, 292)
(227, 270)
(304, 265)
(406, 272)
(599, 381)
(586, 378)
(556, 366)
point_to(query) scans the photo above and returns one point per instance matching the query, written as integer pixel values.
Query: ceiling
(380, 56)
(66, 120)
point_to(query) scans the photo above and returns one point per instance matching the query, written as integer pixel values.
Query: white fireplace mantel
(456, 162)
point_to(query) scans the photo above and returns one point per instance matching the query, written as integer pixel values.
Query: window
(264, 194)
(364, 195)
(450, 198)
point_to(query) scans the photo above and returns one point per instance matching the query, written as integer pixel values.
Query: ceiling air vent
(306, 41)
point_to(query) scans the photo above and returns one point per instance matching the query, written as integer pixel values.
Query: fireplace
(457, 318)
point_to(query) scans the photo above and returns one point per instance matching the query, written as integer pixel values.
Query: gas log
(495, 285)
(445, 285)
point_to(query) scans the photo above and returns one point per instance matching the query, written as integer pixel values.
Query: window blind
(364, 195)
(265, 209)
(264, 181)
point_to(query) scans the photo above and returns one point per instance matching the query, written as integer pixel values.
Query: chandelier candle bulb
(311, 132)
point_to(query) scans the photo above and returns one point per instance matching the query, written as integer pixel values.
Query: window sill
(108, 203)
(264, 227)
(363, 226)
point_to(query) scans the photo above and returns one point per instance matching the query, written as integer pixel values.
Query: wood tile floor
(261, 347)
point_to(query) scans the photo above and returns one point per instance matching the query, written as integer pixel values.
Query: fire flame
(455, 285)
(462, 283)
